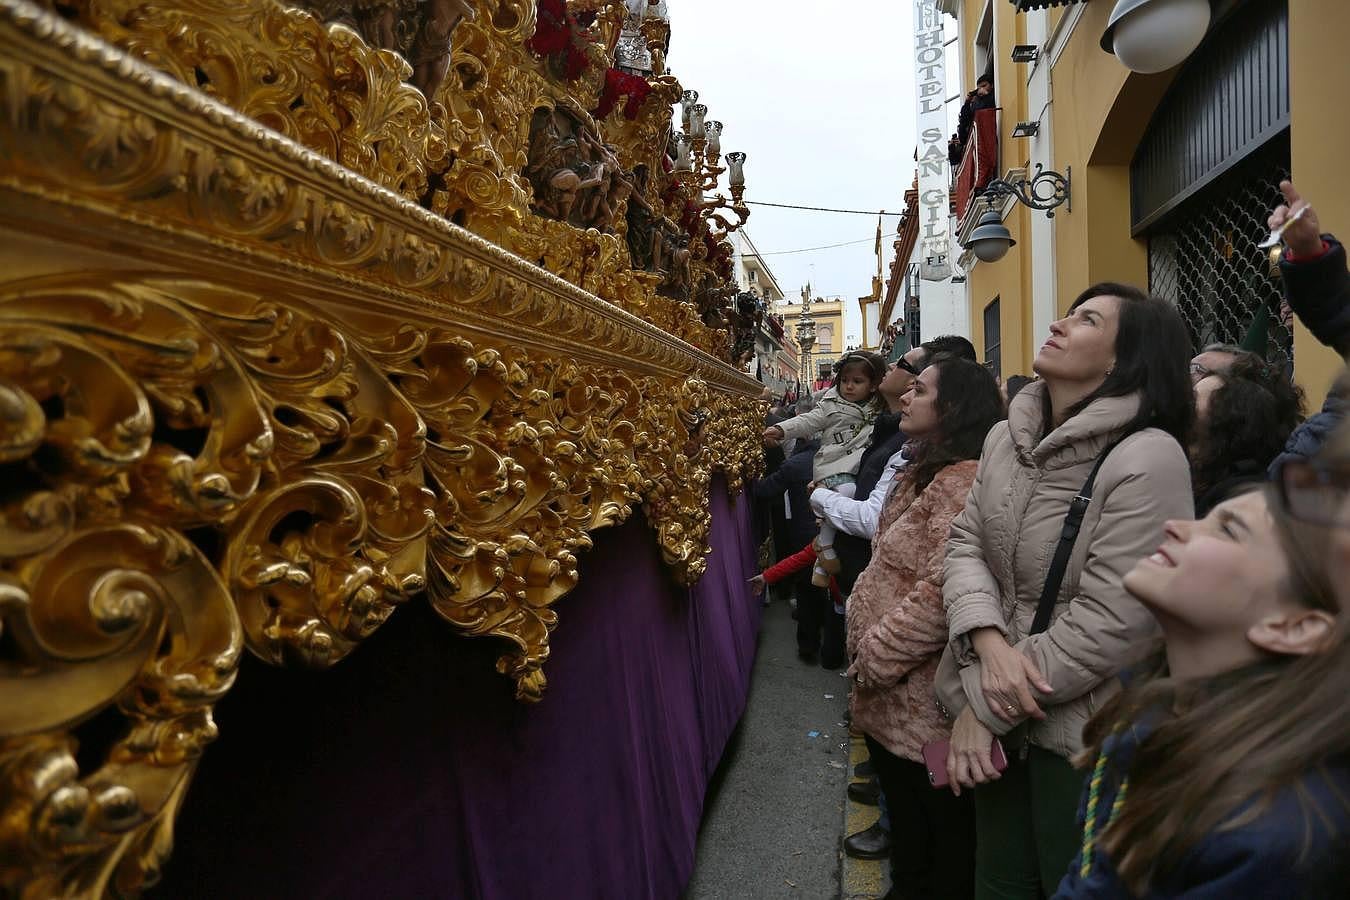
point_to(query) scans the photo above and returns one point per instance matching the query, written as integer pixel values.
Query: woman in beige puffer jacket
(1113, 376)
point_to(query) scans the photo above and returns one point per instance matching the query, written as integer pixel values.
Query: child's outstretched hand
(757, 585)
(773, 436)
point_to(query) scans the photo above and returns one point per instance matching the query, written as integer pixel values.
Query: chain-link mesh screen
(1205, 258)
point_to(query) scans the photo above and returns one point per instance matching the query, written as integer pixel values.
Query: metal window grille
(1205, 260)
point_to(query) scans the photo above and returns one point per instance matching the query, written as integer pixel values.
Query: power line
(865, 240)
(856, 212)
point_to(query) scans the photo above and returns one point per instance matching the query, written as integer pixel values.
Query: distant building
(828, 313)
(776, 361)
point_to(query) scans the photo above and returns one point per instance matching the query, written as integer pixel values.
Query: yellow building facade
(1167, 190)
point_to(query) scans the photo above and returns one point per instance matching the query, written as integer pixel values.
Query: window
(993, 331)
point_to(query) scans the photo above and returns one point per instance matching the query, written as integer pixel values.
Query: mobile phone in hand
(935, 758)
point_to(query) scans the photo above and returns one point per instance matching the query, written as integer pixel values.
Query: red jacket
(791, 565)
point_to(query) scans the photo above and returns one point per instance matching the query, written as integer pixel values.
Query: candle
(687, 101)
(736, 166)
(714, 131)
(696, 114)
(682, 163)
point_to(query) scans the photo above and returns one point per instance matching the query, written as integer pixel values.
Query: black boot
(870, 843)
(865, 792)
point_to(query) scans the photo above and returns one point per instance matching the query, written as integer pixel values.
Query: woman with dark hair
(897, 627)
(1040, 624)
(1225, 771)
(1013, 386)
(1244, 416)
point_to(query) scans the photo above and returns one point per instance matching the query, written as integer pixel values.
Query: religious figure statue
(418, 30)
(430, 51)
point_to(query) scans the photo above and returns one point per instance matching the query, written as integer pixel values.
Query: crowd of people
(1093, 621)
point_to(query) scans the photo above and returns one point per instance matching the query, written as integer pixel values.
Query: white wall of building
(1041, 151)
(942, 305)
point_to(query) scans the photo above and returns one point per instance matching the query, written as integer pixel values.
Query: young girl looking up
(1226, 772)
(844, 420)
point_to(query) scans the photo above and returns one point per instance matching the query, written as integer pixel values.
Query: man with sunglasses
(856, 518)
(1316, 284)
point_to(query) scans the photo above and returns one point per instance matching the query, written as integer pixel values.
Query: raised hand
(1304, 236)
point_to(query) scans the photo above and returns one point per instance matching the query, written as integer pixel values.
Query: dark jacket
(769, 517)
(965, 119)
(1308, 438)
(1264, 858)
(1318, 291)
(792, 477)
(855, 552)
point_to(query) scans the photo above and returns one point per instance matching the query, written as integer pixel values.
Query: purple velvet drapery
(410, 771)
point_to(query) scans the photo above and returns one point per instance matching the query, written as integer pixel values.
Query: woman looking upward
(1114, 388)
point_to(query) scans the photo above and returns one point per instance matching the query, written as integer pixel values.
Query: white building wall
(1044, 309)
(942, 306)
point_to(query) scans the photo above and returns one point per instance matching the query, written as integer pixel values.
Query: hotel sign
(931, 80)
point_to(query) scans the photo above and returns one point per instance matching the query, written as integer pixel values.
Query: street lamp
(806, 338)
(1150, 36)
(990, 240)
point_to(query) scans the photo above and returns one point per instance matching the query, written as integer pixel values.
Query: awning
(1025, 5)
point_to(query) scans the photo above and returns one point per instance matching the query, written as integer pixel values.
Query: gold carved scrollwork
(249, 399)
(99, 612)
(323, 87)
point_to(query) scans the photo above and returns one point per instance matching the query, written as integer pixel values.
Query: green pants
(1026, 828)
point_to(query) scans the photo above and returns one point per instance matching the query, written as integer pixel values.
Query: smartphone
(935, 758)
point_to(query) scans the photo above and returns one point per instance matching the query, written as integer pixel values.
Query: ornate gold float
(284, 345)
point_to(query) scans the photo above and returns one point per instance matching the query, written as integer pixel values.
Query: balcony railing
(979, 161)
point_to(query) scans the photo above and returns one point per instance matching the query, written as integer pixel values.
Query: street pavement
(774, 818)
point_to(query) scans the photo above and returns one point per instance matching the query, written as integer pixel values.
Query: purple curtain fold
(409, 770)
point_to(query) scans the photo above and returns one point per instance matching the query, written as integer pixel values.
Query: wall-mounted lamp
(990, 240)
(1026, 129)
(1154, 35)
(1026, 53)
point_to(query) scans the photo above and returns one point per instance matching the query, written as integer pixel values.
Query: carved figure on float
(430, 52)
(419, 30)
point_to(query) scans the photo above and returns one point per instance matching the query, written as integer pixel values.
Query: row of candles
(699, 134)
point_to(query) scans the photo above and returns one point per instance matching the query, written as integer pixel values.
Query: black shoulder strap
(1072, 522)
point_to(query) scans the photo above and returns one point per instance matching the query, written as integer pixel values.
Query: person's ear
(1293, 634)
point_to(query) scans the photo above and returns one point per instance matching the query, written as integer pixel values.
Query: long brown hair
(1222, 747)
(967, 405)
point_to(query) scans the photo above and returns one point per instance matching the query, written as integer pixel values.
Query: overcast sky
(820, 96)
